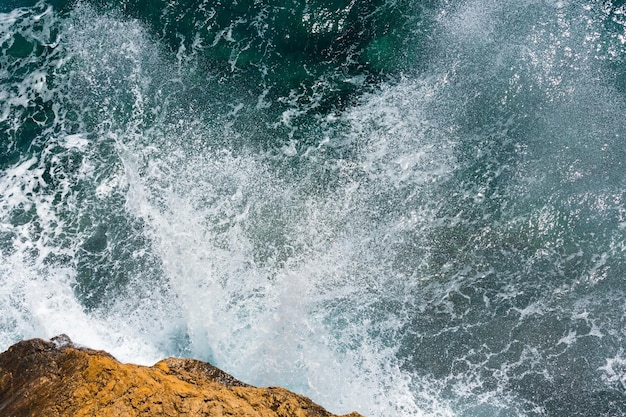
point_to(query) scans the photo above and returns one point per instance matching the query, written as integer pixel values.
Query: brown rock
(58, 379)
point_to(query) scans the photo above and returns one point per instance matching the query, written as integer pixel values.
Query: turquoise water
(401, 208)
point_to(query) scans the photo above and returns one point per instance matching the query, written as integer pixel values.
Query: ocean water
(398, 207)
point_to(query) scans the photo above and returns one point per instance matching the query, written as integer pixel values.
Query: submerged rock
(57, 378)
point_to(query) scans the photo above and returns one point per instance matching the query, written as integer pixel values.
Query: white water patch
(55, 202)
(255, 311)
(614, 371)
(37, 297)
(26, 32)
(38, 304)
(399, 136)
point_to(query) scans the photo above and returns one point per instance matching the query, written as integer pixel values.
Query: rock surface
(57, 378)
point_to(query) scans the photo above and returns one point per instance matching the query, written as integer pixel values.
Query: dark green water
(402, 208)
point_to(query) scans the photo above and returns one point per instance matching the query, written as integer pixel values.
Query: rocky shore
(58, 378)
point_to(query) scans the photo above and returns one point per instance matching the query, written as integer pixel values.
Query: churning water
(399, 207)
